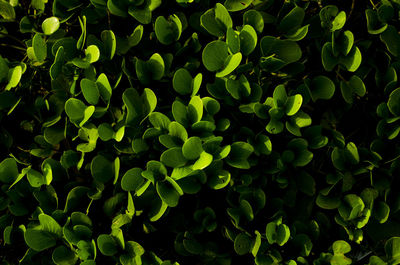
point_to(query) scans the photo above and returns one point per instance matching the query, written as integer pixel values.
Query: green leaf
(169, 191)
(35, 178)
(292, 20)
(355, 86)
(50, 25)
(14, 76)
(231, 63)
(248, 40)
(237, 5)
(168, 31)
(90, 91)
(240, 151)
(107, 245)
(381, 212)
(374, 26)
(343, 44)
(329, 61)
(6, 10)
(50, 225)
(39, 240)
(216, 20)
(8, 170)
(110, 43)
(101, 169)
(106, 132)
(293, 104)
(92, 53)
(341, 247)
(339, 21)
(283, 234)
(233, 41)
(254, 18)
(173, 157)
(394, 102)
(353, 60)
(214, 55)
(39, 47)
(75, 197)
(182, 81)
(204, 161)
(132, 179)
(391, 38)
(64, 256)
(82, 38)
(392, 249)
(195, 109)
(322, 88)
(75, 109)
(153, 69)
(286, 50)
(192, 148)
(242, 244)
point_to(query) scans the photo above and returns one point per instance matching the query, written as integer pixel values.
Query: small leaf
(90, 91)
(293, 104)
(110, 43)
(39, 47)
(168, 192)
(216, 20)
(39, 240)
(8, 170)
(192, 148)
(50, 25)
(214, 55)
(168, 31)
(341, 247)
(107, 245)
(132, 179)
(173, 157)
(242, 244)
(394, 102)
(101, 169)
(64, 256)
(237, 5)
(92, 53)
(182, 81)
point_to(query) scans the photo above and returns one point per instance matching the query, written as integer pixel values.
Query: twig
(353, 3)
(13, 46)
(13, 38)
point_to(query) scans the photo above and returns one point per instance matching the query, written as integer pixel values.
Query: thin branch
(13, 38)
(13, 46)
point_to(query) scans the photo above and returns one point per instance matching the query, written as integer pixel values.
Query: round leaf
(173, 157)
(39, 240)
(168, 31)
(192, 148)
(242, 244)
(107, 245)
(132, 179)
(101, 169)
(50, 25)
(214, 55)
(90, 91)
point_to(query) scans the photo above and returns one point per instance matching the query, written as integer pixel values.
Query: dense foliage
(199, 132)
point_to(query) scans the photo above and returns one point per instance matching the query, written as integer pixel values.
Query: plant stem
(13, 38)
(13, 46)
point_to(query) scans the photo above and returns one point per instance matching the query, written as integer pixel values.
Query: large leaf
(39, 240)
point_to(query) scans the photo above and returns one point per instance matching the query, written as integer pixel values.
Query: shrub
(199, 132)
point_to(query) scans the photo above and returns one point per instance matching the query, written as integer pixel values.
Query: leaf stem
(13, 38)
(13, 46)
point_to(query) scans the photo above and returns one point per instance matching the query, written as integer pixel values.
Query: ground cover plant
(199, 132)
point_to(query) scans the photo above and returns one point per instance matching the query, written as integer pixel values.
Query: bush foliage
(199, 132)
